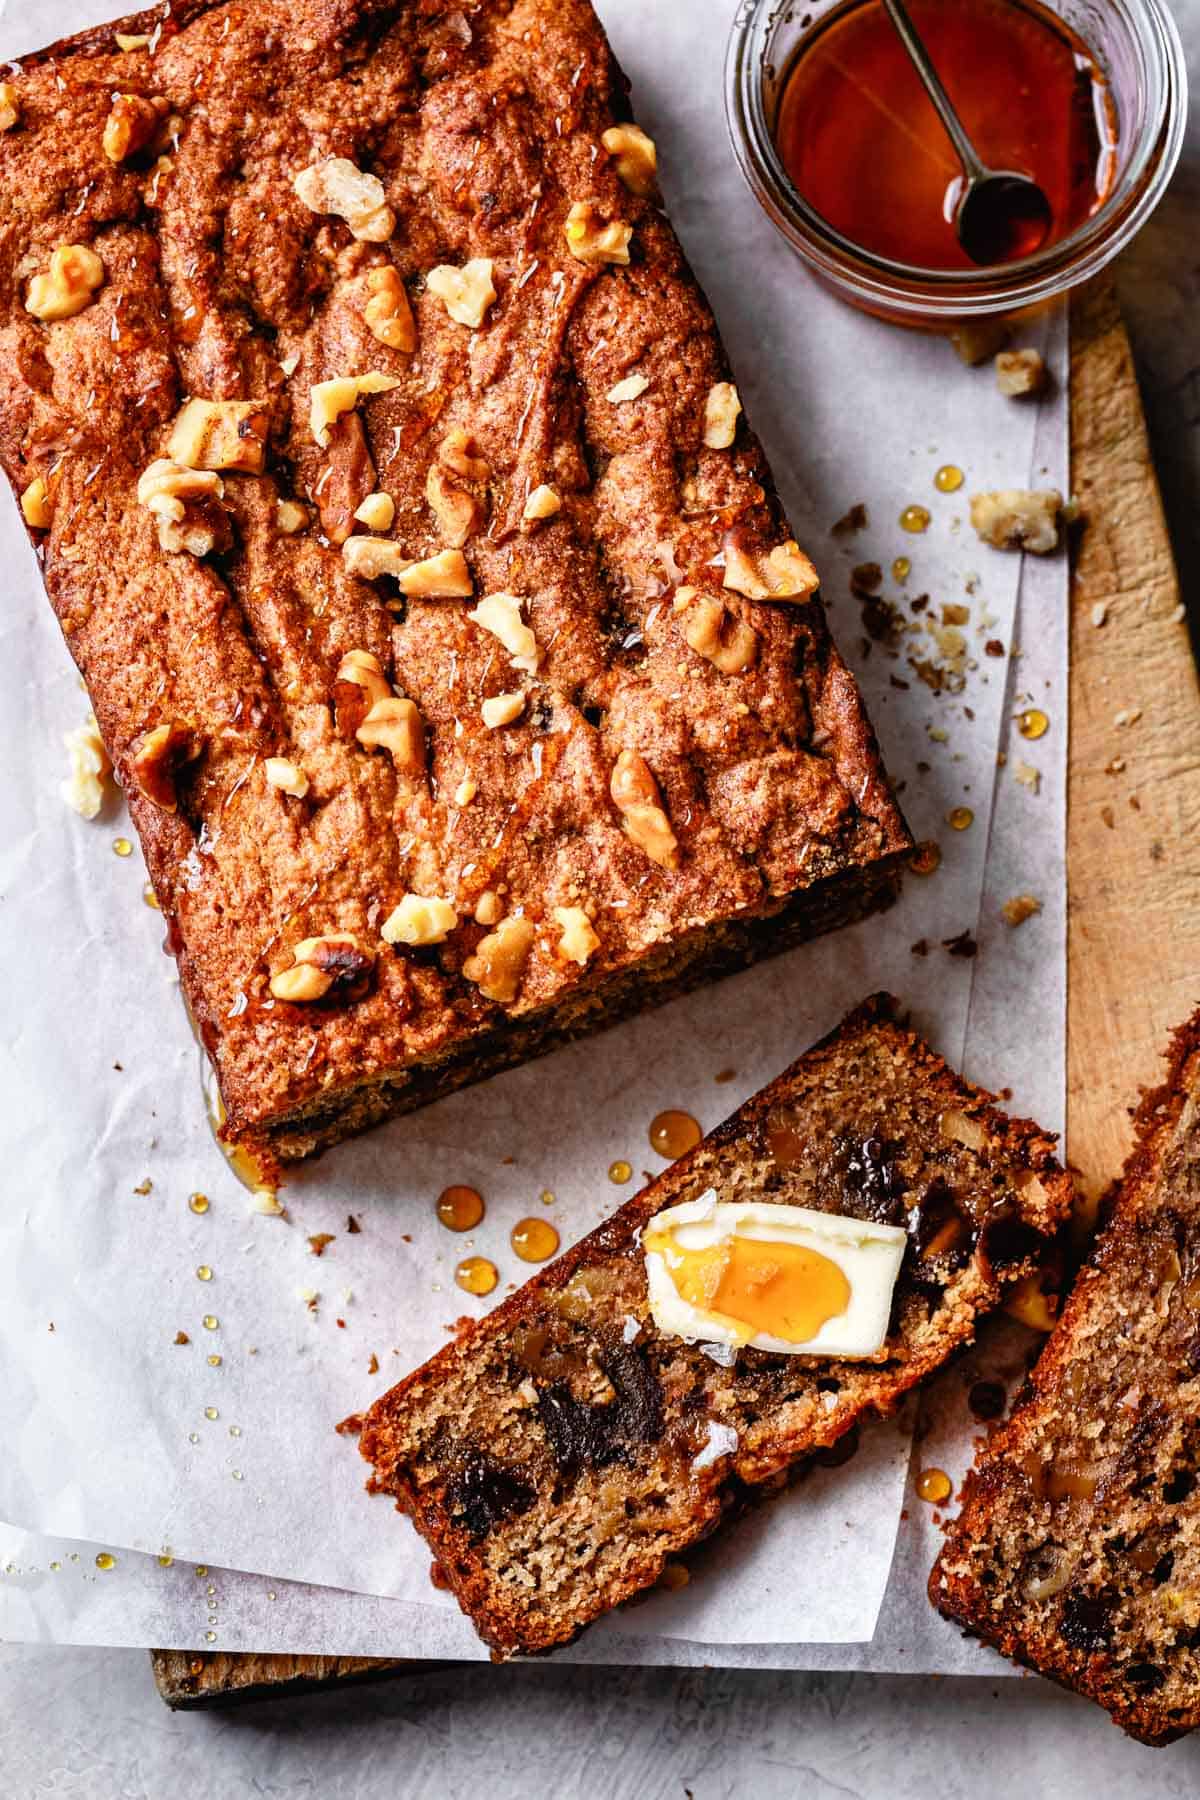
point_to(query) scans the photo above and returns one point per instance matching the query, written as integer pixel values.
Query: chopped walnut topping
(35, 505)
(10, 106)
(185, 505)
(466, 293)
(364, 670)
(636, 797)
(1020, 372)
(330, 399)
(542, 503)
(377, 512)
(456, 452)
(337, 186)
(290, 517)
(387, 313)
(457, 511)
(441, 577)
(721, 408)
(501, 709)
(979, 339)
(712, 631)
(287, 776)
(578, 941)
(157, 759)
(220, 434)
(68, 286)
(1020, 908)
(132, 124)
(629, 389)
(489, 908)
(83, 789)
(501, 615)
(394, 724)
(635, 157)
(590, 240)
(783, 573)
(132, 40)
(466, 791)
(1018, 518)
(335, 967)
(419, 920)
(499, 960)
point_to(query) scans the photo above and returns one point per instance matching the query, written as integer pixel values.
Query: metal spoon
(999, 214)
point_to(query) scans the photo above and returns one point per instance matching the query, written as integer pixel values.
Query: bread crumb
(1028, 776)
(1020, 908)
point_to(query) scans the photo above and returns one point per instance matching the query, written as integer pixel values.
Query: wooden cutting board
(1133, 848)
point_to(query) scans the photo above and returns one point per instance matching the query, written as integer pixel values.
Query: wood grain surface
(1133, 848)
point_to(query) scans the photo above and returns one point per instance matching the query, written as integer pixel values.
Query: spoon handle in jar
(897, 12)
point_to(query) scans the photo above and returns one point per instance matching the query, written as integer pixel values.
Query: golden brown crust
(498, 1422)
(219, 281)
(1122, 1525)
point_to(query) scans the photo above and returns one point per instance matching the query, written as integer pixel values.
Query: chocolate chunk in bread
(564, 1449)
(1077, 1547)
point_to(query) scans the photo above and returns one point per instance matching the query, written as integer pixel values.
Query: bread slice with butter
(604, 1419)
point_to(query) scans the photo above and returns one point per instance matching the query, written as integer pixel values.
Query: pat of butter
(779, 1278)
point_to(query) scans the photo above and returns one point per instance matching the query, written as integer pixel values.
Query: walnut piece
(337, 186)
(502, 709)
(629, 389)
(69, 284)
(466, 293)
(186, 505)
(457, 453)
(578, 941)
(457, 511)
(501, 615)
(10, 106)
(542, 503)
(35, 505)
(220, 434)
(290, 517)
(979, 339)
(1020, 908)
(466, 790)
(394, 724)
(419, 919)
(132, 40)
(334, 967)
(83, 789)
(499, 960)
(132, 124)
(635, 156)
(721, 408)
(591, 240)
(444, 576)
(1020, 372)
(712, 631)
(1018, 518)
(330, 399)
(489, 908)
(365, 671)
(156, 762)
(783, 573)
(286, 775)
(377, 512)
(387, 313)
(636, 797)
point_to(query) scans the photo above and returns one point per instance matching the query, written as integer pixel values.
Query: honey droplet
(210, 1322)
(915, 518)
(438, 1577)
(934, 1485)
(105, 1559)
(193, 1437)
(960, 817)
(673, 1577)
(201, 1570)
(55, 1568)
(619, 1172)
(166, 1560)
(237, 1474)
(674, 1133)
(534, 1240)
(1033, 723)
(460, 1208)
(948, 479)
(210, 1412)
(214, 1362)
(204, 1273)
(476, 1275)
(199, 1203)
(122, 847)
(151, 898)
(901, 569)
(925, 858)
(235, 1431)
(210, 1637)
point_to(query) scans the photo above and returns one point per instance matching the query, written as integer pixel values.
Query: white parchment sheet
(116, 1434)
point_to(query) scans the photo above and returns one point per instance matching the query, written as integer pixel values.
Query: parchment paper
(104, 1417)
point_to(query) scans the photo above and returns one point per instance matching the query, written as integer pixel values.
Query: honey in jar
(861, 141)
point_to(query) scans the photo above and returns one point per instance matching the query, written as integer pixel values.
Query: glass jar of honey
(842, 147)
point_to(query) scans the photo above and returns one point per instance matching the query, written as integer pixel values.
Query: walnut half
(156, 761)
(499, 960)
(634, 156)
(387, 313)
(220, 434)
(636, 796)
(712, 631)
(70, 283)
(333, 967)
(784, 573)
(591, 239)
(337, 186)
(1018, 518)
(186, 505)
(132, 125)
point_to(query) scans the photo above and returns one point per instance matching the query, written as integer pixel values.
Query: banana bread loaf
(397, 505)
(1077, 1548)
(561, 1451)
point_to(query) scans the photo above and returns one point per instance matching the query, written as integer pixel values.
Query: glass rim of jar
(889, 286)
